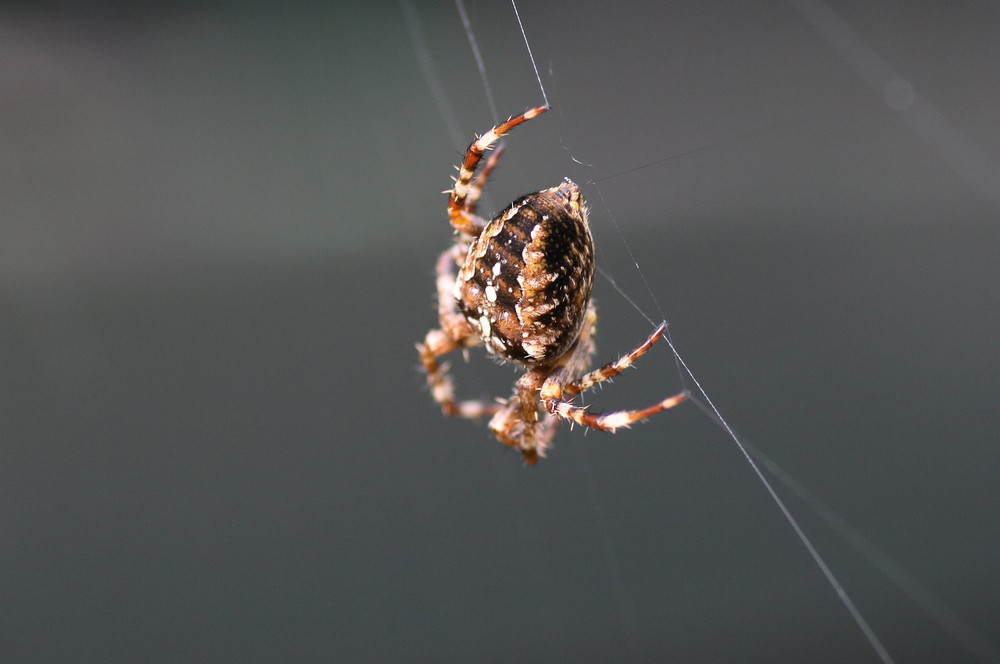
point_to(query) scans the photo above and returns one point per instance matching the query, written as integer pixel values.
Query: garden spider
(522, 289)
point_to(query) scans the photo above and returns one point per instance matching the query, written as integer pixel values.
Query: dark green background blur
(218, 225)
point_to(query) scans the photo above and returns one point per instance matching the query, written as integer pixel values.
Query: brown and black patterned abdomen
(527, 278)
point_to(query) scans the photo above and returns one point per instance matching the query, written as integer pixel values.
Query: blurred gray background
(218, 225)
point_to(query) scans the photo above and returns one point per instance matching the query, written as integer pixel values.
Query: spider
(520, 285)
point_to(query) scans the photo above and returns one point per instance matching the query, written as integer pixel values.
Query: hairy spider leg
(459, 211)
(476, 188)
(612, 369)
(517, 423)
(556, 385)
(454, 334)
(621, 419)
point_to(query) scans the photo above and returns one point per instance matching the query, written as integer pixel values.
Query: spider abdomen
(526, 280)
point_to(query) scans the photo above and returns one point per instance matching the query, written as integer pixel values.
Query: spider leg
(556, 385)
(620, 419)
(476, 187)
(546, 430)
(451, 319)
(440, 381)
(459, 210)
(517, 423)
(612, 369)
(454, 334)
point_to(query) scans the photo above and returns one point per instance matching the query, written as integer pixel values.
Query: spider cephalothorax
(520, 285)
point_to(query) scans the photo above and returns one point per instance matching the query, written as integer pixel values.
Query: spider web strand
(524, 35)
(708, 407)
